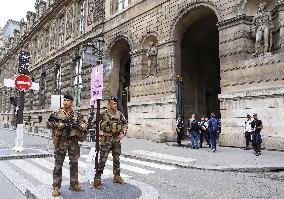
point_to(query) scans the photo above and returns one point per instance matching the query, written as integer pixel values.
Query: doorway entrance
(200, 65)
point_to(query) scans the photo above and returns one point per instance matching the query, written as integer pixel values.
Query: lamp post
(179, 95)
(94, 60)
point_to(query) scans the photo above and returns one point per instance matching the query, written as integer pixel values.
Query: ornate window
(119, 5)
(69, 23)
(81, 16)
(61, 31)
(34, 55)
(42, 90)
(78, 83)
(52, 36)
(58, 79)
(40, 46)
(46, 42)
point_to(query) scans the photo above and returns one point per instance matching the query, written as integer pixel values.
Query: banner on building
(97, 80)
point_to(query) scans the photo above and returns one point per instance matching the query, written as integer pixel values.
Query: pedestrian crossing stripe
(163, 157)
(34, 171)
(22, 183)
(48, 165)
(41, 169)
(144, 163)
(20, 180)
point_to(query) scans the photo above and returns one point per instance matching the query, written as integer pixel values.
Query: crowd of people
(209, 129)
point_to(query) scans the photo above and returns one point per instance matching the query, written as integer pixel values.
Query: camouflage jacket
(112, 123)
(62, 117)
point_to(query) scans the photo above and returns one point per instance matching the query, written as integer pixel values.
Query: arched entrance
(198, 48)
(120, 75)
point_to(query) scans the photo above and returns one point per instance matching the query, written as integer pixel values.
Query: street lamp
(95, 59)
(179, 95)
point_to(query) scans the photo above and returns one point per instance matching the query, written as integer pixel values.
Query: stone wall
(247, 83)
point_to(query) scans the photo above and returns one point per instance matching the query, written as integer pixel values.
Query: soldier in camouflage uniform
(68, 127)
(113, 128)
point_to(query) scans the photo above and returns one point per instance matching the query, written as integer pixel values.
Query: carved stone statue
(152, 56)
(262, 30)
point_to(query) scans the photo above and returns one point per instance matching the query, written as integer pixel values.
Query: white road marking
(164, 156)
(144, 163)
(19, 181)
(149, 164)
(107, 172)
(132, 168)
(39, 174)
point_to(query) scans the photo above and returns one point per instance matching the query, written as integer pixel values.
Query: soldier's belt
(111, 134)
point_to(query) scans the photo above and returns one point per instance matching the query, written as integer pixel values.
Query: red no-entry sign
(23, 82)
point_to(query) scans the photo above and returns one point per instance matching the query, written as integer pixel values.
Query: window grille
(61, 30)
(58, 80)
(78, 83)
(81, 16)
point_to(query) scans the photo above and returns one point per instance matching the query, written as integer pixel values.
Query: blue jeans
(213, 137)
(256, 141)
(194, 139)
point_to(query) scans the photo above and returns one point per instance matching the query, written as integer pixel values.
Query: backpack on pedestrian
(214, 124)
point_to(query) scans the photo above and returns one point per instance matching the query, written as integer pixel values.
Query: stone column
(281, 23)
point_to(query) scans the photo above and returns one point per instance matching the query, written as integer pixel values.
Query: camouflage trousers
(72, 147)
(111, 144)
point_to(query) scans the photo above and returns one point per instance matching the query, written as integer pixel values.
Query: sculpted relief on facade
(262, 28)
(152, 55)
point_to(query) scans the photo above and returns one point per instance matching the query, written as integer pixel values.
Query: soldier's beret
(113, 99)
(68, 97)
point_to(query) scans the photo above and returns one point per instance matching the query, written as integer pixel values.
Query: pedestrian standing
(207, 134)
(203, 124)
(247, 131)
(114, 128)
(68, 127)
(214, 128)
(193, 129)
(256, 126)
(179, 129)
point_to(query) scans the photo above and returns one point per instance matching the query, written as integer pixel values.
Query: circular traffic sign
(23, 82)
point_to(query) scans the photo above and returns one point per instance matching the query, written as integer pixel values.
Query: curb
(209, 168)
(25, 156)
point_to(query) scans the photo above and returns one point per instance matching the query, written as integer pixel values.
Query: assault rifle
(69, 124)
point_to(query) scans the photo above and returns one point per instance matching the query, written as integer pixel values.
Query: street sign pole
(22, 82)
(106, 65)
(20, 126)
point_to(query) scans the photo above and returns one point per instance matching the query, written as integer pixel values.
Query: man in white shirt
(247, 131)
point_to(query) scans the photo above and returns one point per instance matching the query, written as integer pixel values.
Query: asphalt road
(171, 183)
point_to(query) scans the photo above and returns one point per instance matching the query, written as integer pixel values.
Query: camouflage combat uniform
(66, 139)
(111, 126)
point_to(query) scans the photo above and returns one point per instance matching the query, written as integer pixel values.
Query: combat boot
(97, 184)
(76, 187)
(118, 179)
(55, 192)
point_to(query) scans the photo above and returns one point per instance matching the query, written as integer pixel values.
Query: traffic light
(24, 62)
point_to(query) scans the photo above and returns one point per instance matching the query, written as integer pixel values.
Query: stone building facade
(169, 57)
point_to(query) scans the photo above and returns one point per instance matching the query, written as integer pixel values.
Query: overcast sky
(15, 9)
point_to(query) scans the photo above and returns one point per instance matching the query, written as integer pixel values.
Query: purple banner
(97, 81)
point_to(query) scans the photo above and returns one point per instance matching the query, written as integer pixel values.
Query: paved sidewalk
(225, 158)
